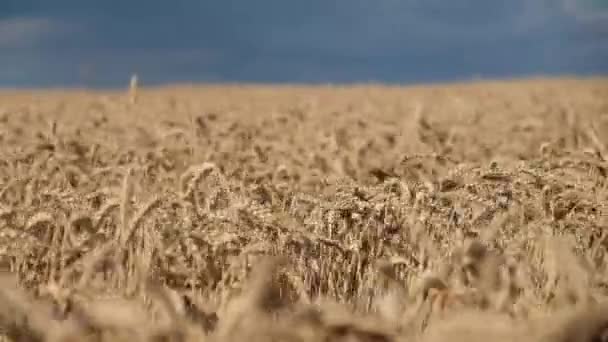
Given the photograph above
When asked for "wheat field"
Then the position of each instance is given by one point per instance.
(450, 212)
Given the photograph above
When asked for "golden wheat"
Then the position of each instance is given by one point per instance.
(464, 212)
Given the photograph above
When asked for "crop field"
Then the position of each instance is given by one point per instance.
(450, 212)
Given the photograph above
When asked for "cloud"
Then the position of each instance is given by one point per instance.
(362, 29)
(23, 32)
(76, 42)
(104, 67)
(593, 11)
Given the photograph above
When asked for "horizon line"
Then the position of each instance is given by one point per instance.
(287, 84)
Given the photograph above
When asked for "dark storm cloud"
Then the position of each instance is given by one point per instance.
(86, 42)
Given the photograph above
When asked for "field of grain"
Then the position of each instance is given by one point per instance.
(460, 212)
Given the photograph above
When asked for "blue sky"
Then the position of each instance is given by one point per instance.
(99, 43)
